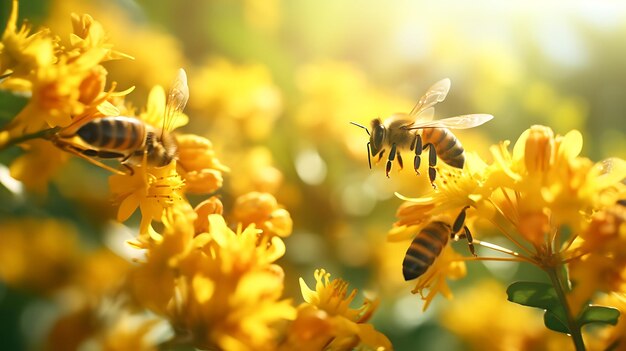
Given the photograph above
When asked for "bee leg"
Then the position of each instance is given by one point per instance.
(392, 156)
(417, 144)
(470, 240)
(459, 223)
(400, 163)
(432, 162)
(369, 155)
(130, 169)
(79, 153)
(381, 155)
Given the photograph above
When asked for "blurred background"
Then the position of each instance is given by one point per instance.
(274, 85)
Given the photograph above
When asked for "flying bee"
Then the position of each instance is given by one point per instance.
(127, 139)
(416, 131)
(430, 241)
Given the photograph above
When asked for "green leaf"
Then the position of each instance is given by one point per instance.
(533, 294)
(598, 314)
(543, 296)
(555, 322)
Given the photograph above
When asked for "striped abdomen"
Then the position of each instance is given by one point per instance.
(424, 249)
(116, 134)
(447, 146)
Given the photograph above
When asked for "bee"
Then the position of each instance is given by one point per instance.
(430, 241)
(416, 131)
(129, 140)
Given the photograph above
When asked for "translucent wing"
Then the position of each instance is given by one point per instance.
(176, 100)
(458, 122)
(435, 94)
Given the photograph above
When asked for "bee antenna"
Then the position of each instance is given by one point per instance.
(361, 126)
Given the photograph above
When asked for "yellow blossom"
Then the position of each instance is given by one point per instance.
(548, 175)
(21, 52)
(327, 312)
(543, 186)
(210, 206)
(263, 210)
(602, 251)
(144, 71)
(153, 282)
(455, 190)
(56, 94)
(534, 196)
(198, 164)
(152, 189)
(89, 34)
(69, 85)
(220, 288)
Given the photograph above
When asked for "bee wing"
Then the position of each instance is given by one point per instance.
(458, 122)
(176, 100)
(435, 94)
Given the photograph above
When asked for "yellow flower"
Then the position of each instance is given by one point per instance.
(56, 95)
(544, 186)
(455, 190)
(198, 164)
(327, 320)
(70, 84)
(602, 251)
(152, 189)
(20, 53)
(210, 206)
(153, 283)
(552, 180)
(144, 71)
(533, 196)
(221, 289)
(89, 34)
(263, 210)
(231, 299)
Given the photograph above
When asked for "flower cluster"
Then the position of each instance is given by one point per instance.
(555, 208)
(206, 278)
(65, 82)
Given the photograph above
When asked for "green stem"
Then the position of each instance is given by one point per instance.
(557, 280)
(45, 134)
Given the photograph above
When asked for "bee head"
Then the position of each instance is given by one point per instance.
(377, 137)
